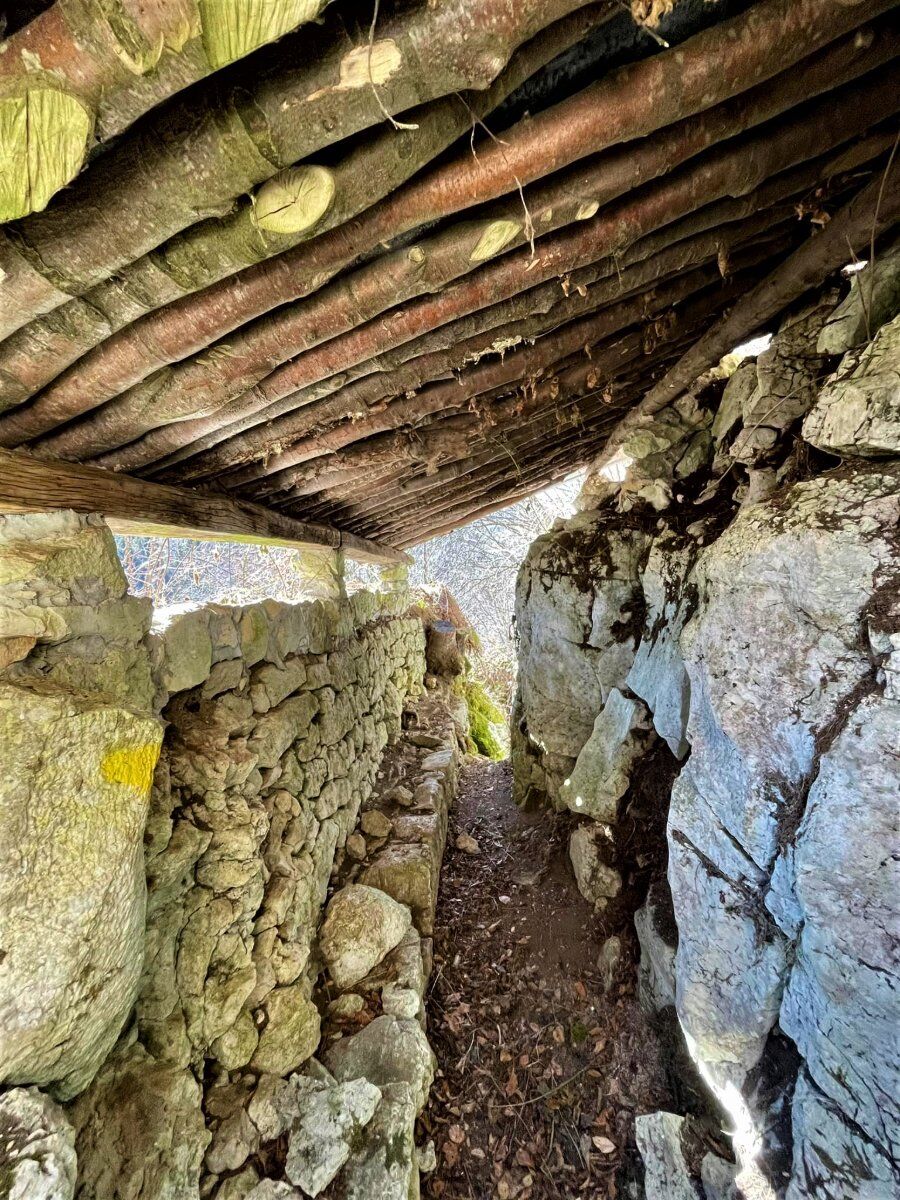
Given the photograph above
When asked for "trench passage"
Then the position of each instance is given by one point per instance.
(542, 1066)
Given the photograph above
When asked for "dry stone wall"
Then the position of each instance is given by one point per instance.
(174, 801)
(766, 579)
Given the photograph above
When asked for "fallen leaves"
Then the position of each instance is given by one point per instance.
(528, 1104)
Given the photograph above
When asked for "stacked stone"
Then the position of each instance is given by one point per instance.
(277, 718)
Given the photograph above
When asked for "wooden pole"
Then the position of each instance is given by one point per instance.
(135, 506)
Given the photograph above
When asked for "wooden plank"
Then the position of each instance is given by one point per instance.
(130, 505)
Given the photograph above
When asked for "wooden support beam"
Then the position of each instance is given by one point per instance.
(130, 505)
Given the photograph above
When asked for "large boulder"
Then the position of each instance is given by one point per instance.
(777, 825)
(579, 611)
(37, 1148)
(79, 752)
(362, 924)
(603, 769)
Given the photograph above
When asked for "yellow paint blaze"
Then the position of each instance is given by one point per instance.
(131, 766)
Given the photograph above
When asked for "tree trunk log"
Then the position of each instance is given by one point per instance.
(80, 72)
(206, 255)
(737, 168)
(200, 158)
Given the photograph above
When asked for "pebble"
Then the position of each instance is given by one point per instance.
(467, 844)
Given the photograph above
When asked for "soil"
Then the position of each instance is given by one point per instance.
(545, 1057)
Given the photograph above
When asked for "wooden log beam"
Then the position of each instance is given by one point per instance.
(135, 506)
(868, 214)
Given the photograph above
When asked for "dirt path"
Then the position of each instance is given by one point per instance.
(542, 1066)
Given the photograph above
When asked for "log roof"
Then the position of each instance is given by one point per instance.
(386, 269)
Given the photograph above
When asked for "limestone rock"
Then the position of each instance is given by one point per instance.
(658, 675)
(74, 796)
(388, 1050)
(577, 597)
(602, 771)
(656, 972)
(362, 924)
(643, 465)
(597, 881)
(385, 1167)
(37, 1148)
(874, 298)
(858, 410)
(400, 1001)
(408, 873)
(840, 1002)
(666, 1174)
(328, 1126)
(467, 844)
(291, 1033)
(375, 824)
(140, 1130)
(186, 646)
(274, 1189)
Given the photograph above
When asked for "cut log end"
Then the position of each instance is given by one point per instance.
(495, 237)
(233, 30)
(295, 200)
(44, 137)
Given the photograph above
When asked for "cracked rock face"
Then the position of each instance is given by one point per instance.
(37, 1148)
(330, 1121)
(578, 602)
(858, 410)
(768, 662)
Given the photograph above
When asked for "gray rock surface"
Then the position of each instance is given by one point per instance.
(590, 847)
(388, 1050)
(577, 594)
(362, 924)
(329, 1125)
(666, 1174)
(79, 749)
(602, 771)
(140, 1130)
(858, 410)
(37, 1148)
(385, 1166)
(874, 298)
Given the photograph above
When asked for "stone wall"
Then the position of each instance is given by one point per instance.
(224, 757)
(732, 604)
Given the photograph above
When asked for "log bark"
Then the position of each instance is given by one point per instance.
(875, 209)
(429, 443)
(590, 289)
(80, 73)
(735, 169)
(212, 251)
(529, 362)
(720, 218)
(117, 364)
(196, 159)
(135, 506)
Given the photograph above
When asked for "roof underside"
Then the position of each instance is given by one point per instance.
(391, 280)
